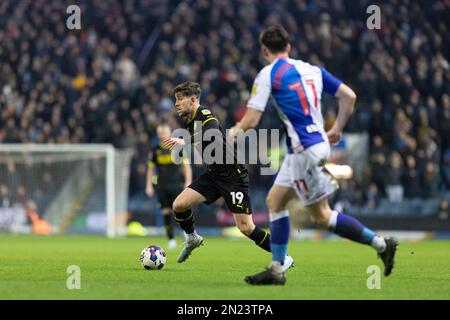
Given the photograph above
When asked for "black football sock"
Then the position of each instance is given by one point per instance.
(261, 238)
(185, 220)
(168, 225)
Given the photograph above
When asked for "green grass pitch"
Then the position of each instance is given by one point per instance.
(34, 267)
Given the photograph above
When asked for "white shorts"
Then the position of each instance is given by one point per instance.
(305, 172)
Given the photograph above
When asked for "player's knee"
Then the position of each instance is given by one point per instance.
(180, 205)
(321, 221)
(320, 213)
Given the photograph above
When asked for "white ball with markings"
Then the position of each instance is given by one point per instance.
(153, 258)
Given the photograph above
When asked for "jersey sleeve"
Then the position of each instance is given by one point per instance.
(330, 83)
(209, 121)
(260, 91)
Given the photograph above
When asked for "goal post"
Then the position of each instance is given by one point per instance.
(74, 188)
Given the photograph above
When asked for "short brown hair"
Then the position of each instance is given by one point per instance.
(188, 89)
(275, 38)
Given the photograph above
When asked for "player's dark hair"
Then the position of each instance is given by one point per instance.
(188, 89)
(275, 38)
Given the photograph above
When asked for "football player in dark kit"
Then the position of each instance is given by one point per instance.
(222, 179)
(171, 180)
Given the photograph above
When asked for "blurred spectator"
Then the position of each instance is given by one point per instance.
(378, 163)
(5, 198)
(402, 132)
(411, 181)
(444, 122)
(446, 169)
(372, 196)
(127, 72)
(21, 197)
(12, 178)
(430, 180)
(444, 210)
(393, 175)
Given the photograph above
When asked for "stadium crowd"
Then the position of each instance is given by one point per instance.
(112, 81)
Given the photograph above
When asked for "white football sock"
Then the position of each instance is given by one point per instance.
(333, 220)
(379, 244)
(191, 236)
(277, 267)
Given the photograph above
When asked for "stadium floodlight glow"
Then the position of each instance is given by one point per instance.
(340, 171)
(86, 183)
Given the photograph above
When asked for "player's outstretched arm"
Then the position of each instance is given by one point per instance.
(149, 185)
(346, 101)
(256, 104)
(250, 120)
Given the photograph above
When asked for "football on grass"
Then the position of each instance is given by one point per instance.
(153, 258)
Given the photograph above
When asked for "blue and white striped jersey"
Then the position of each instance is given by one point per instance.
(296, 88)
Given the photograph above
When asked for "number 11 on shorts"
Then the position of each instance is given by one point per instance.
(299, 183)
(237, 195)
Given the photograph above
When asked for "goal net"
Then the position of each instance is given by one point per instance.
(64, 188)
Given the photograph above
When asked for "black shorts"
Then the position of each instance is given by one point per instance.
(233, 188)
(167, 194)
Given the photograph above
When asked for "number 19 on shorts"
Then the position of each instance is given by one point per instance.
(239, 196)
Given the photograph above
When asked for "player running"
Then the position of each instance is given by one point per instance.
(172, 179)
(296, 88)
(229, 181)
